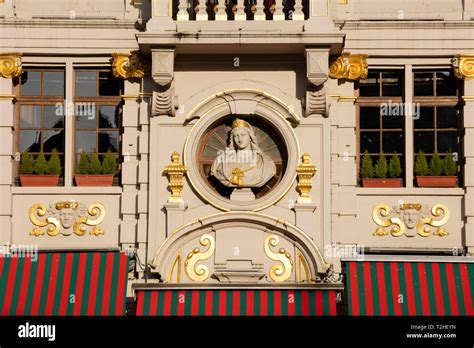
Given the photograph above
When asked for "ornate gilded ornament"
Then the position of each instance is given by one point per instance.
(175, 265)
(410, 219)
(464, 66)
(175, 171)
(200, 272)
(302, 266)
(279, 272)
(66, 218)
(305, 172)
(10, 65)
(349, 67)
(130, 65)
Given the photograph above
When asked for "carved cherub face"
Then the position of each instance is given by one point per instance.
(241, 138)
(411, 217)
(67, 217)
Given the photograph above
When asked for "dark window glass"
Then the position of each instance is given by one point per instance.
(423, 84)
(370, 87)
(108, 85)
(392, 83)
(424, 141)
(369, 118)
(445, 83)
(53, 139)
(108, 140)
(53, 83)
(52, 117)
(30, 140)
(446, 117)
(390, 122)
(85, 122)
(447, 141)
(108, 116)
(393, 142)
(86, 83)
(30, 116)
(426, 118)
(370, 141)
(30, 83)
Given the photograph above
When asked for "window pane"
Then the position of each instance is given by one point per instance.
(86, 122)
(52, 117)
(370, 141)
(53, 83)
(447, 141)
(108, 140)
(369, 87)
(108, 117)
(369, 118)
(392, 83)
(426, 119)
(108, 85)
(424, 141)
(53, 139)
(30, 83)
(30, 141)
(393, 142)
(423, 83)
(86, 83)
(30, 116)
(392, 121)
(85, 141)
(446, 117)
(445, 83)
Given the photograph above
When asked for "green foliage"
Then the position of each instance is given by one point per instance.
(41, 165)
(421, 164)
(109, 163)
(436, 165)
(394, 167)
(381, 167)
(96, 166)
(366, 167)
(26, 163)
(54, 164)
(84, 165)
(450, 166)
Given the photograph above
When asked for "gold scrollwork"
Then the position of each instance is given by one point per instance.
(278, 272)
(464, 66)
(37, 211)
(176, 264)
(349, 67)
(302, 265)
(130, 65)
(10, 65)
(200, 272)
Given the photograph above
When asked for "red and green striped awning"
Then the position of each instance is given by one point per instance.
(236, 302)
(410, 288)
(79, 283)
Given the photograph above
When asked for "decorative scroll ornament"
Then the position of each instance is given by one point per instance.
(410, 219)
(10, 65)
(349, 67)
(305, 172)
(175, 171)
(279, 272)
(130, 65)
(196, 272)
(66, 218)
(464, 66)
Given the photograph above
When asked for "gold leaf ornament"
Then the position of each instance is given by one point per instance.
(195, 271)
(281, 271)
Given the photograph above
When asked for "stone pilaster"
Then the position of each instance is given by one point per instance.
(469, 162)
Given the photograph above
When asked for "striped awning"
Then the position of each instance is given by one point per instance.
(236, 302)
(410, 288)
(82, 283)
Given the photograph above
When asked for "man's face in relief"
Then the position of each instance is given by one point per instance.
(241, 138)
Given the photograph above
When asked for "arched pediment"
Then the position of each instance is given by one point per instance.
(239, 247)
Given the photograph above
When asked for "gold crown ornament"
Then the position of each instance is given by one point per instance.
(66, 205)
(240, 123)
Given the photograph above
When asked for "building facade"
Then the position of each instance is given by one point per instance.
(247, 135)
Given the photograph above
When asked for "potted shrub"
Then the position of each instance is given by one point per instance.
(39, 172)
(92, 173)
(440, 173)
(380, 172)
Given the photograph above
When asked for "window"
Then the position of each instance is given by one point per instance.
(437, 126)
(98, 111)
(381, 123)
(40, 122)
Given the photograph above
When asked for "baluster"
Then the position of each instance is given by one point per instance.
(259, 14)
(183, 14)
(298, 14)
(278, 14)
(201, 13)
(219, 9)
(240, 14)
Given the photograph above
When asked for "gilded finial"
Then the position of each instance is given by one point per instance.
(175, 171)
(305, 172)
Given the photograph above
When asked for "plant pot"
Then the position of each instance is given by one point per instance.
(39, 180)
(437, 181)
(382, 182)
(94, 179)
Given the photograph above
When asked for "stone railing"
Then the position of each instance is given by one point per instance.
(239, 10)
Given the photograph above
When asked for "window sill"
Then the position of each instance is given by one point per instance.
(408, 191)
(54, 190)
